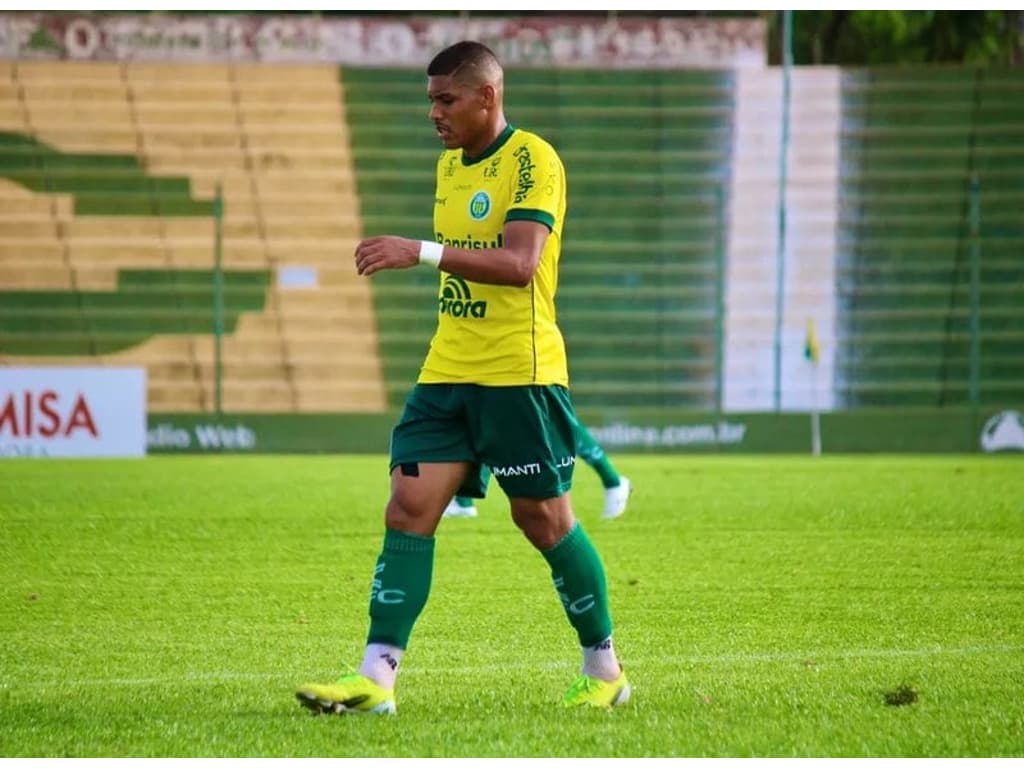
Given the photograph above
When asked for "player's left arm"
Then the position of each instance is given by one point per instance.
(513, 264)
(538, 200)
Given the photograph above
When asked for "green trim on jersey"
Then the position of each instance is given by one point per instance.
(499, 335)
(524, 214)
(497, 144)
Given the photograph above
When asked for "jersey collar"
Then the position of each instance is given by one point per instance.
(497, 144)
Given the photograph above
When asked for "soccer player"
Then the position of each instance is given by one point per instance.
(616, 487)
(493, 389)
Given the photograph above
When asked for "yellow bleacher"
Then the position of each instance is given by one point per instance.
(275, 139)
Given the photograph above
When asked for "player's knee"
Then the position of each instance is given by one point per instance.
(409, 515)
(543, 522)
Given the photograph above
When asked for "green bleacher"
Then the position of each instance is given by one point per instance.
(645, 153)
(911, 142)
(51, 323)
(147, 302)
(102, 184)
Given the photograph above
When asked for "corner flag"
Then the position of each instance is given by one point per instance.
(812, 352)
(811, 348)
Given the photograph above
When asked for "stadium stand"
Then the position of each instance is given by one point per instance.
(108, 173)
(644, 153)
(107, 236)
(911, 142)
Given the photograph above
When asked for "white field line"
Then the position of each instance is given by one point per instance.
(632, 662)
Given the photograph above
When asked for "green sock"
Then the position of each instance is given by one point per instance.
(592, 453)
(579, 580)
(464, 501)
(401, 584)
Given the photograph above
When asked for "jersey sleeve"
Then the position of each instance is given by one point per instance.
(537, 183)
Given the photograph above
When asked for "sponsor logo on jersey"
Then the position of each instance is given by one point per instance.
(480, 206)
(526, 167)
(457, 301)
(469, 241)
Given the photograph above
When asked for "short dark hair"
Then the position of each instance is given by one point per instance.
(467, 53)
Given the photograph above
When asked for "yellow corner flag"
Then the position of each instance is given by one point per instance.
(811, 349)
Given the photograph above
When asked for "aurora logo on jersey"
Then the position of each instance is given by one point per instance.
(457, 301)
(480, 206)
(526, 166)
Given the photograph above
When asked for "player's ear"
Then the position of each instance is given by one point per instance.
(488, 95)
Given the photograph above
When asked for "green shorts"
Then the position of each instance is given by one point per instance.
(523, 434)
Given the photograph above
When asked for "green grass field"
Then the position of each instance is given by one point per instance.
(764, 607)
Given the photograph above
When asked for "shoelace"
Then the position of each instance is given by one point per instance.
(350, 677)
(584, 684)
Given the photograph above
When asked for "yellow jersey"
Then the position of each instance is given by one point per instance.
(498, 335)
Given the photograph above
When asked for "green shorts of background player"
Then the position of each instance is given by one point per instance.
(616, 487)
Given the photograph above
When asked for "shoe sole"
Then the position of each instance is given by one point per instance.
(623, 695)
(320, 706)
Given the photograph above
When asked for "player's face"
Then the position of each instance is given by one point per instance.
(459, 113)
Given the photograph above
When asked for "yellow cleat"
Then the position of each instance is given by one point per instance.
(594, 692)
(352, 694)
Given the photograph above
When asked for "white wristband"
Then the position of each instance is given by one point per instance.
(430, 253)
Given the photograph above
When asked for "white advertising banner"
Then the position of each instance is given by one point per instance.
(72, 412)
(540, 41)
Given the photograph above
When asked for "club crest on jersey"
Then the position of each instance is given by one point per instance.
(480, 206)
